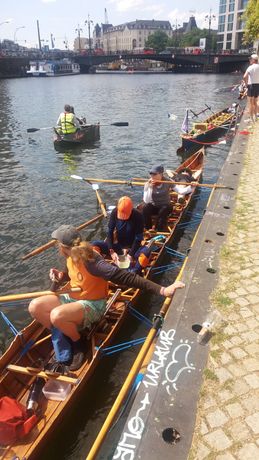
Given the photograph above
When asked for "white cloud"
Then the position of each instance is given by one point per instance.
(138, 6)
(177, 16)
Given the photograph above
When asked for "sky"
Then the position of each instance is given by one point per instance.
(63, 17)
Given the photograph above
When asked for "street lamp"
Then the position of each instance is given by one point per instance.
(209, 17)
(175, 29)
(16, 30)
(6, 21)
(78, 30)
(89, 22)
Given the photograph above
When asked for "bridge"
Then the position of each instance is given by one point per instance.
(193, 63)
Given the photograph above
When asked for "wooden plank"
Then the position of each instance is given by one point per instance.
(39, 373)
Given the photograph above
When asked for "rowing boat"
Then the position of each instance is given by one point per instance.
(17, 365)
(87, 134)
(210, 130)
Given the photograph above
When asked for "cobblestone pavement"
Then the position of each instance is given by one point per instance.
(227, 424)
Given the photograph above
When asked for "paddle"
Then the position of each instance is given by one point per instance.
(117, 123)
(125, 182)
(53, 242)
(33, 295)
(95, 187)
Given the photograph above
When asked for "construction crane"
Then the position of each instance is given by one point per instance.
(106, 16)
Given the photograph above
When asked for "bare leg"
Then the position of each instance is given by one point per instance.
(41, 308)
(67, 317)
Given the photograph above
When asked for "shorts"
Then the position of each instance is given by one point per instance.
(93, 309)
(253, 90)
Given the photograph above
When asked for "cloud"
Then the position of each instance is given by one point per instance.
(123, 6)
(177, 16)
(48, 1)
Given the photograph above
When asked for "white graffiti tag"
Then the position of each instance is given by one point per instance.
(126, 448)
(177, 366)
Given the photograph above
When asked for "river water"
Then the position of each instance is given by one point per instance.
(37, 193)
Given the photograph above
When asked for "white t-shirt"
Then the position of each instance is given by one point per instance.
(253, 74)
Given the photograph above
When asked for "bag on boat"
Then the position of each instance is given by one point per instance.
(15, 422)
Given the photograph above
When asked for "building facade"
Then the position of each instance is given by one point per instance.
(128, 36)
(231, 24)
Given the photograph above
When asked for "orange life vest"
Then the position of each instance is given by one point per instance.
(92, 287)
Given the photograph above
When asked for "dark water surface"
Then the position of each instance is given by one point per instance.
(37, 194)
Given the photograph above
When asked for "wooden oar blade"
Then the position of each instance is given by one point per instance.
(32, 130)
(120, 123)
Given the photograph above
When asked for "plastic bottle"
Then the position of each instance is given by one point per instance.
(34, 394)
(212, 321)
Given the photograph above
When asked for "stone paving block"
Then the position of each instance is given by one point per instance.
(218, 440)
(252, 348)
(203, 428)
(232, 295)
(250, 336)
(252, 288)
(223, 374)
(234, 317)
(252, 380)
(236, 340)
(241, 291)
(216, 418)
(241, 328)
(236, 370)
(238, 353)
(225, 395)
(252, 299)
(239, 431)
(251, 364)
(226, 456)
(225, 358)
(240, 387)
(202, 452)
(251, 402)
(209, 402)
(244, 311)
(227, 344)
(235, 410)
(253, 422)
(248, 452)
(252, 323)
(242, 302)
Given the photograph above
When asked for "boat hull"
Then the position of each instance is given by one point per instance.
(86, 135)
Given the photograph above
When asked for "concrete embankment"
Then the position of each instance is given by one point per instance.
(222, 272)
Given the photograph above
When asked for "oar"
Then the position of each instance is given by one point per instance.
(32, 130)
(53, 242)
(33, 295)
(117, 123)
(125, 182)
(95, 187)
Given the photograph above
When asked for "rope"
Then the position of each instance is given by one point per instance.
(121, 346)
(10, 325)
(138, 315)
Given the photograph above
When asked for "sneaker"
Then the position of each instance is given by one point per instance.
(78, 355)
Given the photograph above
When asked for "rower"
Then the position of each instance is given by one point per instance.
(67, 121)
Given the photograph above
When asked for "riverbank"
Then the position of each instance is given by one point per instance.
(227, 424)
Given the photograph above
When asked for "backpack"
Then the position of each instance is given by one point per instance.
(15, 422)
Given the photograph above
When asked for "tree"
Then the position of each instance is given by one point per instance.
(193, 39)
(251, 17)
(158, 41)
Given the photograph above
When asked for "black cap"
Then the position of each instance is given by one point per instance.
(158, 169)
(66, 234)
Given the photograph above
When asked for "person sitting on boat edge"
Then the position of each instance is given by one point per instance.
(67, 122)
(125, 231)
(71, 313)
(157, 199)
(185, 175)
(81, 121)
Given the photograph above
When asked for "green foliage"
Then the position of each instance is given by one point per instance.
(193, 39)
(251, 17)
(158, 40)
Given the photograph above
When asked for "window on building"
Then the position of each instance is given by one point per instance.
(221, 28)
(222, 6)
(231, 5)
(242, 4)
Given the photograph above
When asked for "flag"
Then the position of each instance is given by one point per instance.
(184, 127)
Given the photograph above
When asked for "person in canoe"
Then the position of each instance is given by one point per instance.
(156, 199)
(81, 121)
(125, 231)
(182, 190)
(67, 122)
(68, 314)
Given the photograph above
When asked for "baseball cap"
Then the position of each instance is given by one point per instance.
(158, 169)
(124, 208)
(66, 234)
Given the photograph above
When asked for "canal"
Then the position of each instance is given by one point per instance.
(38, 195)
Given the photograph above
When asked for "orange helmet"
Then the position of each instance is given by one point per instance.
(124, 208)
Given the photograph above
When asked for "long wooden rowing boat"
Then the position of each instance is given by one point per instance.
(17, 365)
(210, 130)
(87, 134)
